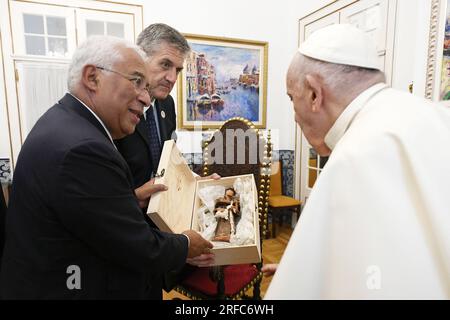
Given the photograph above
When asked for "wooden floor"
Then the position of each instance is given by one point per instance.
(273, 249)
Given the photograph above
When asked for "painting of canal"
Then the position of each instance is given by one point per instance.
(221, 81)
(445, 70)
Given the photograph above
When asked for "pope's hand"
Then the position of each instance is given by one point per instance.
(203, 260)
(269, 269)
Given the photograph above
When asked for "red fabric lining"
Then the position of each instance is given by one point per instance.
(236, 277)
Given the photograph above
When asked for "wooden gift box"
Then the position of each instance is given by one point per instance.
(175, 210)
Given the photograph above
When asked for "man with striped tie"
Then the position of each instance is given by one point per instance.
(167, 50)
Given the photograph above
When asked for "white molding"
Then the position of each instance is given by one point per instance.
(433, 53)
(390, 39)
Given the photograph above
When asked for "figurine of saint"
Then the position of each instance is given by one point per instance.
(225, 210)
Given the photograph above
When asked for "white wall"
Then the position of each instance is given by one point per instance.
(277, 23)
(265, 20)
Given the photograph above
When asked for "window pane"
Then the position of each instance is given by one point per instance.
(312, 163)
(57, 47)
(312, 176)
(35, 45)
(313, 158)
(56, 26)
(94, 28)
(33, 23)
(115, 29)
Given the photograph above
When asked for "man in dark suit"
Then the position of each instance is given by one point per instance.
(74, 228)
(2, 224)
(166, 49)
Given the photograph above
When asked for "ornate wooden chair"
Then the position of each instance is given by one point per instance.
(252, 154)
(278, 201)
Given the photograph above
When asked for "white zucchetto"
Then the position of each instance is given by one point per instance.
(342, 44)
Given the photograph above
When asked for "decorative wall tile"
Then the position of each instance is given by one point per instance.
(287, 159)
(288, 163)
(5, 171)
(189, 158)
(194, 160)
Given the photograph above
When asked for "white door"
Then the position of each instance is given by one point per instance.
(44, 37)
(310, 165)
(41, 30)
(372, 17)
(5, 148)
(377, 18)
(319, 24)
(91, 22)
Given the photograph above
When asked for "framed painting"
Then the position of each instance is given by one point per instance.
(222, 78)
(438, 66)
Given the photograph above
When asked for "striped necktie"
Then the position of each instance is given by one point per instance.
(155, 145)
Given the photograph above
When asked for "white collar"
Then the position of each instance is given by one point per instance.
(344, 121)
(98, 119)
(152, 104)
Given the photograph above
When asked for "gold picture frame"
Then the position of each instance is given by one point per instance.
(437, 87)
(222, 78)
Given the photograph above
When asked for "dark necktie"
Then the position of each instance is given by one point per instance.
(155, 146)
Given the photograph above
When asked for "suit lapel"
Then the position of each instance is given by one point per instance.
(75, 106)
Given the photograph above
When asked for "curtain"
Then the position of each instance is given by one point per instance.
(40, 86)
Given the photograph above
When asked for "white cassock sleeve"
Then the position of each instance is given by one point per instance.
(364, 232)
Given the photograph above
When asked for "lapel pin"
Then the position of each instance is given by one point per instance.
(163, 114)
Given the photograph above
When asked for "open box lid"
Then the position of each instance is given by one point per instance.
(172, 210)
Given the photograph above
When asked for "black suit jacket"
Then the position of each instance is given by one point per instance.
(2, 224)
(136, 152)
(73, 204)
(135, 147)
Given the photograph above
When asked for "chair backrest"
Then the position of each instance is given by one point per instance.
(276, 182)
(239, 148)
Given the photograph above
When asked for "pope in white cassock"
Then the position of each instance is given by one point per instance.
(377, 223)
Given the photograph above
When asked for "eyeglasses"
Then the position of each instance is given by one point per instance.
(137, 81)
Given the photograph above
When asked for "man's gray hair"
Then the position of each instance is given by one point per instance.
(155, 34)
(337, 77)
(101, 51)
